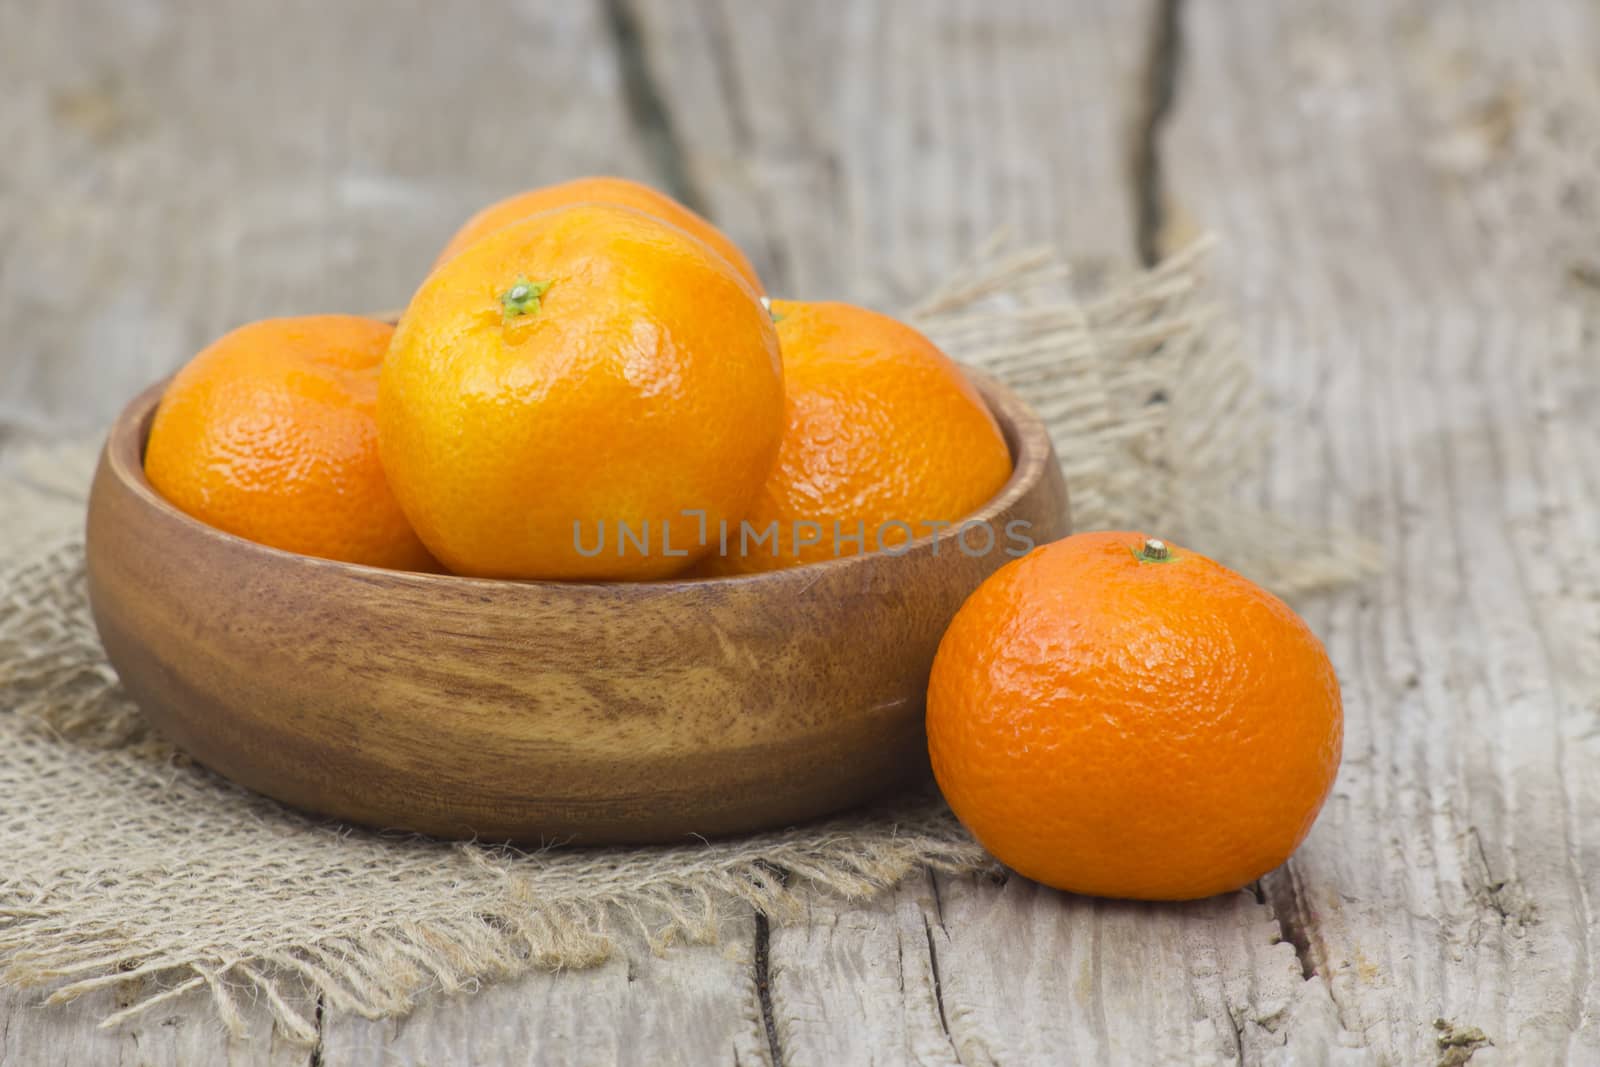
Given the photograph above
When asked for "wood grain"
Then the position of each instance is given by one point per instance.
(1400, 224)
(697, 1004)
(37, 1035)
(195, 166)
(865, 155)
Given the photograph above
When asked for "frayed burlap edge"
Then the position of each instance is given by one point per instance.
(131, 867)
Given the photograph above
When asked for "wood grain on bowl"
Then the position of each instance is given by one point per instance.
(537, 711)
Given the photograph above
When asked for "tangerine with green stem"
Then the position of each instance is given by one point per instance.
(1114, 714)
(574, 378)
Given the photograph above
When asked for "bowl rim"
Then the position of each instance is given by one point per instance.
(1027, 439)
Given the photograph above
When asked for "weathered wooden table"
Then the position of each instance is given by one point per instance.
(1406, 193)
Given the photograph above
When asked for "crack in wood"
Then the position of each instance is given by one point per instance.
(938, 987)
(1505, 897)
(1160, 93)
(763, 968)
(900, 963)
(316, 1049)
(1283, 896)
(1236, 1025)
(647, 107)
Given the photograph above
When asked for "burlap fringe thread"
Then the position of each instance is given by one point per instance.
(128, 866)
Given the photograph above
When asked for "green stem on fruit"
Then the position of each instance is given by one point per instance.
(523, 298)
(1153, 551)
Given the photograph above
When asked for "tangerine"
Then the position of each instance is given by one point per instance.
(885, 438)
(1118, 716)
(580, 394)
(271, 434)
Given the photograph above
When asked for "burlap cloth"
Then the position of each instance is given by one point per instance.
(123, 863)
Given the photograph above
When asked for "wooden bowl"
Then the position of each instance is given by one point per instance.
(537, 711)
